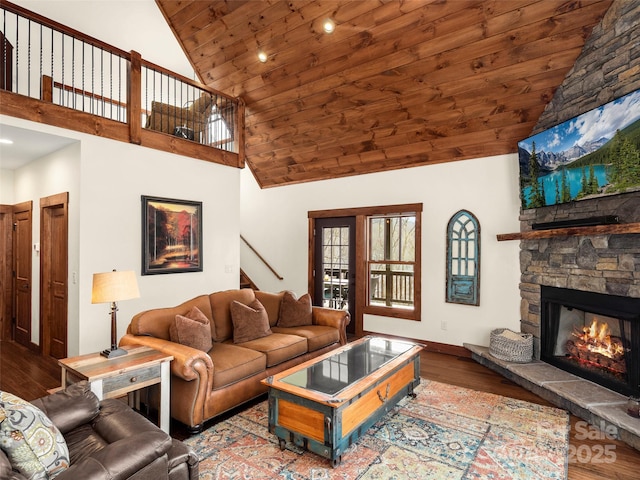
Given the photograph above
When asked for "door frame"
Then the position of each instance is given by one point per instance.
(17, 209)
(340, 222)
(6, 272)
(360, 292)
(46, 250)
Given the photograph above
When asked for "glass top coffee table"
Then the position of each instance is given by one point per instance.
(326, 404)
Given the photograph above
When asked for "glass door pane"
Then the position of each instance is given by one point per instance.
(334, 265)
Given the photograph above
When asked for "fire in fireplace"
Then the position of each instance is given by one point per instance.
(597, 348)
(592, 335)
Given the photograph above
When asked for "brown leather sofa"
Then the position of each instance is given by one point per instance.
(107, 440)
(205, 384)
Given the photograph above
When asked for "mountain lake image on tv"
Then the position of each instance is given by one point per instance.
(596, 153)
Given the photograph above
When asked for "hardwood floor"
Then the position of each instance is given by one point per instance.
(25, 373)
(592, 455)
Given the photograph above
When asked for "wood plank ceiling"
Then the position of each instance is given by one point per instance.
(399, 83)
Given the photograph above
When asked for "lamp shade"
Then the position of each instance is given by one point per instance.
(114, 286)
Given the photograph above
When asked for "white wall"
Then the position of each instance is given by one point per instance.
(114, 177)
(275, 221)
(106, 180)
(126, 24)
(55, 173)
(6, 187)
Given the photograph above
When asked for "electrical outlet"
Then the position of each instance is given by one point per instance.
(443, 325)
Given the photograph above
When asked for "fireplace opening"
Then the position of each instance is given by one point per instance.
(592, 335)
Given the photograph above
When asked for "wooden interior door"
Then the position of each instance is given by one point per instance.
(22, 272)
(54, 275)
(6, 272)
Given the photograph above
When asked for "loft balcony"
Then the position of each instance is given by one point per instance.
(55, 75)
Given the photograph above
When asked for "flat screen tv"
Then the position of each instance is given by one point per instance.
(594, 154)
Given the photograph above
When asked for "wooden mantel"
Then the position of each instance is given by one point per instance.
(612, 229)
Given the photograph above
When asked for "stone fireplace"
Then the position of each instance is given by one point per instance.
(580, 274)
(605, 264)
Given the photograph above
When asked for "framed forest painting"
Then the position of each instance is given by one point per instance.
(591, 155)
(171, 236)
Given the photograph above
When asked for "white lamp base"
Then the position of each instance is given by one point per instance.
(118, 352)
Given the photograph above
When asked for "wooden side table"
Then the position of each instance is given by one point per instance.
(115, 377)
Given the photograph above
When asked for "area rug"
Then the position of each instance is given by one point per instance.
(446, 432)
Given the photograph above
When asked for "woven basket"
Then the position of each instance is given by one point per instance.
(510, 348)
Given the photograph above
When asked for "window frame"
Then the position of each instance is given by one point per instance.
(413, 313)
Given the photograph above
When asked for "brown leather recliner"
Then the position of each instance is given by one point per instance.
(109, 441)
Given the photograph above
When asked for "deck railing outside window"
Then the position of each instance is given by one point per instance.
(50, 62)
(391, 288)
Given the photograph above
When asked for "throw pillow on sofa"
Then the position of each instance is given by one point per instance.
(295, 312)
(33, 444)
(249, 321)
(192, 329)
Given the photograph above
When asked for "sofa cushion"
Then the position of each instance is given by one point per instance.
(200, 105)
(33, 444)
(249, 321)
(295, 312)
(221, 311)
(192, 329)
(157, 322)
(271, 302)
(318, 336)
(233, 363)
(278, 347)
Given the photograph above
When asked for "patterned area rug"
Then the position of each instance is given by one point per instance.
(446, 432)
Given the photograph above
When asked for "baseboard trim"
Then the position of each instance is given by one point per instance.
(435, 347)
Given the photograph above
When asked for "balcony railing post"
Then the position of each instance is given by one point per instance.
(46, 94)
(134, 100)
(239, 130)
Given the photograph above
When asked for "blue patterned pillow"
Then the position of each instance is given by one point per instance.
(34, 446)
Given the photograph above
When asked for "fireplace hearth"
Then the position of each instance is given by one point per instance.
(592, 335)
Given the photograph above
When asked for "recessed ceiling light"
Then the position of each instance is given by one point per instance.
(6, 141)
(262, 56)
(328, 26)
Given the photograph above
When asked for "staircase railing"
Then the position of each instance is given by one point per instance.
(278, 276)
(47, 61)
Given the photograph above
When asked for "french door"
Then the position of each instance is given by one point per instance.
(334, 264)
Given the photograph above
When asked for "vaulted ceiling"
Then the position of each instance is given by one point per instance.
(398, 84)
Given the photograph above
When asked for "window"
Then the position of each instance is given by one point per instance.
(463, 259)
(384, 279)
(393, 264)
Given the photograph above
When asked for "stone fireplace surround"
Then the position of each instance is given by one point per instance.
(606, 263)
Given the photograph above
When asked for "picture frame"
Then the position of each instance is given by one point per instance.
(171, 235)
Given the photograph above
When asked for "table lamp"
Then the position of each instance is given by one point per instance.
(111, 287)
